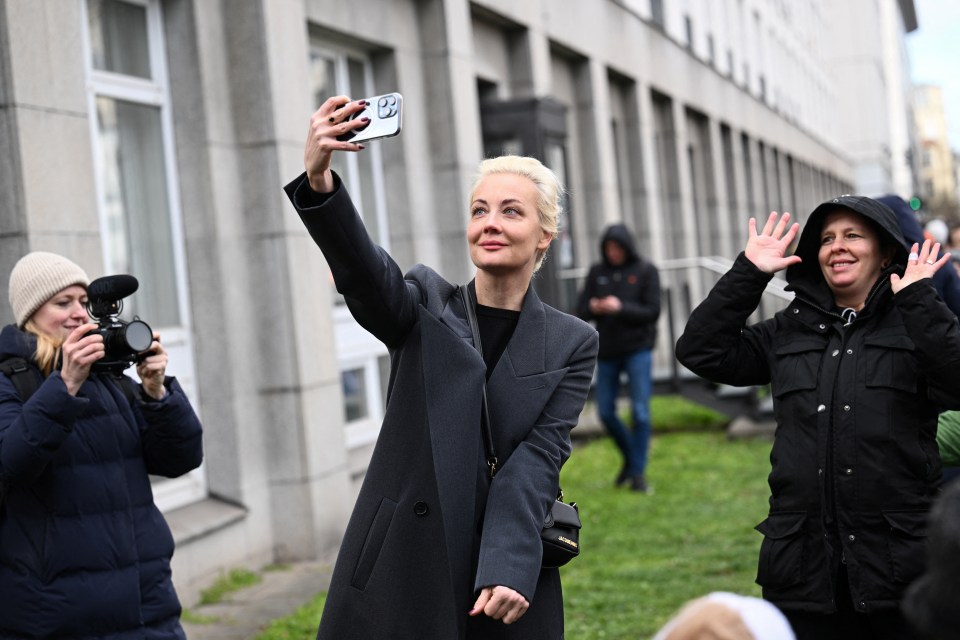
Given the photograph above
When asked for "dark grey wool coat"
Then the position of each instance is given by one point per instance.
(429, 529)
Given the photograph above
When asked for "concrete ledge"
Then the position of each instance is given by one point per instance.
(202, 519)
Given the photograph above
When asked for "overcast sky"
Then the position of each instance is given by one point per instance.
(934, 50)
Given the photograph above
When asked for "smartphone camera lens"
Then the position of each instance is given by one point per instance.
(387, 106)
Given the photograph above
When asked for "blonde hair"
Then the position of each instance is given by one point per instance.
(549, 190)
(48, 347)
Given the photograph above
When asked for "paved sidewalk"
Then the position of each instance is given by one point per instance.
(245, 613)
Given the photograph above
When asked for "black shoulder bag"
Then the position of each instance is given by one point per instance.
(561, 527)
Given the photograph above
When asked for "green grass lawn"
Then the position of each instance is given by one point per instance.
(645, 555)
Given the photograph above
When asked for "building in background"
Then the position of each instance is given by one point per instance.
(864, 50)
(937, 172)
(154, 137)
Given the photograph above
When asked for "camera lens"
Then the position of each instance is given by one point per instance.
(138, 335)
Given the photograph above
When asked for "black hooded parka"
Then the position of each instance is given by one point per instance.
(637, 283)
(855, 465)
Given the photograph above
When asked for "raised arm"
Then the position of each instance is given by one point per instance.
(716, 343)
(371, 282)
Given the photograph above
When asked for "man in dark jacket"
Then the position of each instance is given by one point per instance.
(622, 296)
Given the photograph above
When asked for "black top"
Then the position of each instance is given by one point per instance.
(496, 326)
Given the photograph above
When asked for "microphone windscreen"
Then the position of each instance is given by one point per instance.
(112, 287)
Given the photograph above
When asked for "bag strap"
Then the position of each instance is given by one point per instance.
(26, 380)
(24, 376)
(468, 304)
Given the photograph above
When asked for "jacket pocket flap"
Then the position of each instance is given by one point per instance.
(890, 340)
(800, 346)
(912, 523)
(782, 525)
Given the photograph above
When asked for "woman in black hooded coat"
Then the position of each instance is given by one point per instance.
(859, 364)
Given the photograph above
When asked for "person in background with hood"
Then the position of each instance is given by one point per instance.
(621, 296)
(946, 281)
(859, 364)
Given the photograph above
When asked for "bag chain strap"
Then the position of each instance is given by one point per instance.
(468, 305)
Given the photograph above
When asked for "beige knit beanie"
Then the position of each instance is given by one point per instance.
(37, 277)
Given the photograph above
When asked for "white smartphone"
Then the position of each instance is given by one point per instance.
(386, 115)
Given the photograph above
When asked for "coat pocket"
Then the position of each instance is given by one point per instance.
(782, 552)
(906, 543)
(890, 361)
(797, 365)
(373, 543)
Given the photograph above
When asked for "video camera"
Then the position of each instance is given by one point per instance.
(123, 341)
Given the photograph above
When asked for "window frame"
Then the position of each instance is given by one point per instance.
(169, 493)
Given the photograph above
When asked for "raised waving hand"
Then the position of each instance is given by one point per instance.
(922, 263)
(766, 249)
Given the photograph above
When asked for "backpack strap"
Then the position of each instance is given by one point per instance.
(23, 374)
(26, 379)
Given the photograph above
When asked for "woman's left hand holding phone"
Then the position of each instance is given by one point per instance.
(80, 351)
(329, 121)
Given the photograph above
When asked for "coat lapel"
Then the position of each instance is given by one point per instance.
(520, 385)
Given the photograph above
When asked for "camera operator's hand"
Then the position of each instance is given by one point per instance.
(80, 351)
(329, 121)
(153, 369)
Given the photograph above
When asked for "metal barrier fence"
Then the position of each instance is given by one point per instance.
(684, 283)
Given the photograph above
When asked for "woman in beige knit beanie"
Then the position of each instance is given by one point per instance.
(35, 280)
(85, 552)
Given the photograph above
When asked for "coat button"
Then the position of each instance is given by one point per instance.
(849, 472)
(846, 407)
(835, 353)
(821, 408)
(822, 327)
(420, 508)
(851, 537)
(849, 351)
(796, 310)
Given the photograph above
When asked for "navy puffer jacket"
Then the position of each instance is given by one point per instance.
(84, 552)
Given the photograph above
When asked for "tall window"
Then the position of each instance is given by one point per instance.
(129, 103)
(362, 360)
(133, 159)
